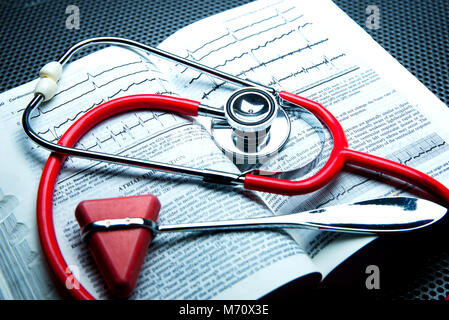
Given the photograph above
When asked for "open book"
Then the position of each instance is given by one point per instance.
(309, 48)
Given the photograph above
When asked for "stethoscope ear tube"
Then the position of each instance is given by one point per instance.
(125, 104)
(127, 43)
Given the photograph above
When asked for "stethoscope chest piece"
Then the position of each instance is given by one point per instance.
(255, 129)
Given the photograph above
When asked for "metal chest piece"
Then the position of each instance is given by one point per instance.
(255, 129)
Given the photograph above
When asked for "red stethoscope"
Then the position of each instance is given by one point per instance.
(251, 114)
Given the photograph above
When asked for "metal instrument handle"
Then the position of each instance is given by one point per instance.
(377, 216)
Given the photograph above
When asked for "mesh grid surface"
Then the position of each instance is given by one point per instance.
(415, 32)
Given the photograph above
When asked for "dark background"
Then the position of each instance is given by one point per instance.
(415, 32)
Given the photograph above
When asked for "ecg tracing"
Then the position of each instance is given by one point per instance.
(271, 29)
(120, 80)
(279, 46)
(241, 46)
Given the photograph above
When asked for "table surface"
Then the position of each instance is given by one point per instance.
(415, 32)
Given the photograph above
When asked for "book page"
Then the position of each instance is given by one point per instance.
(313, 49)
(178, 266)
(24, 273)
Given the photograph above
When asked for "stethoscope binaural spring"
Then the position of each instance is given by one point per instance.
(253, 125)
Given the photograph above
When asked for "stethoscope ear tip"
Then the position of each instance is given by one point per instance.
(119, 249)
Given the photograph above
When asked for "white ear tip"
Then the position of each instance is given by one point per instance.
(48, 82)
(51, 70)
(47, 87)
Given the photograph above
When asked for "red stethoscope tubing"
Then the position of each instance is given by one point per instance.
(339, 156)
(54, 163)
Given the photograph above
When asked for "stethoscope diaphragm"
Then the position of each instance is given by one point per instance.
(255, 128)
